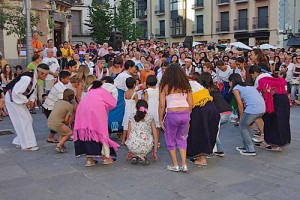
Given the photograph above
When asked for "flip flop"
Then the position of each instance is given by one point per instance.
(270, 148)
(90, 164)
(52, 141)
(261, 145)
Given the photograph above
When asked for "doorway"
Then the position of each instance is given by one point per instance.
(58, 34)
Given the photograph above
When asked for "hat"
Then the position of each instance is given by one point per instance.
(92, 42)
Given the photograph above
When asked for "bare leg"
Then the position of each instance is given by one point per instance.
(124, 137)
(183, 156)
(173, 157)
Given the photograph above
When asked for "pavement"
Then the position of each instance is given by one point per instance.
(45, 175)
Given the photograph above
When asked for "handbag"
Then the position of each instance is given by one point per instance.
(295, 81)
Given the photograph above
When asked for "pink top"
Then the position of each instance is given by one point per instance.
(177, 100)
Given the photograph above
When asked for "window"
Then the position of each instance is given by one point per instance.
(141, 10)
(162, 28)
(76, 22)
(177, 26)
(161, 5)
(224, 21)
(243, 19)
(143, 25)
(173, 5)
(263, 17)
(199, 28)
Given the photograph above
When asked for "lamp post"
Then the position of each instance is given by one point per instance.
(52, 13)
(29, 48)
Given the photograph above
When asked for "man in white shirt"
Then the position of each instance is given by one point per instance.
(136, 58)
(50, 45)
(257, 74)
(52, 62)
(20, 96)
(55, 94)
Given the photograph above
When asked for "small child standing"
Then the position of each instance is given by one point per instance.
(142, 134)
(146, 72)
(130, 101)
(60, 119)
(152, 97)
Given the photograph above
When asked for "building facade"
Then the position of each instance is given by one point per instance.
(222, 21)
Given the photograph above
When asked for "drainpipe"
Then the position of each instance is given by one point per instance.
(212, 19)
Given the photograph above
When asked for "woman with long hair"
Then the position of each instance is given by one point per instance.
(116, 69)
(7, 75)
(176, 96)
(82, 74)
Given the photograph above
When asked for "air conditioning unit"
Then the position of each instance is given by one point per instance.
(254, 26)
(280, 31)
(236, 28)
(217, 29)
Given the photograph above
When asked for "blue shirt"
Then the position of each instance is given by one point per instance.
(254, 102)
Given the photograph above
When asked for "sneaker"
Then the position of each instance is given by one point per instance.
(208, 156)
(248, 153)
(257, 140)
(257, 134)
(184, 168)
(173, 168)
(240, 149)
(219, 153)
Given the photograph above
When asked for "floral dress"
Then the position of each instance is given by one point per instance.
(140, 141)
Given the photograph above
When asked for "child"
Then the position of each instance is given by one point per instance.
(59, 119)
(208, 67)
(130, 100)
(55, 94)
(146, 72)
(108, 84)
(176, 96)
(72, 67)
(223, 73)
(88, 84)
(73, 85)
(152, 97)
(140, 139)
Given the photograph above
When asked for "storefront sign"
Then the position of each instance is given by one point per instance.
(21, 48)
(224, 41)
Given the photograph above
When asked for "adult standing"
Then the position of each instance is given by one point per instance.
(20, 97)
(36, 44)
(52, 62)
(50, 45)
(67, 54)
(3, 62)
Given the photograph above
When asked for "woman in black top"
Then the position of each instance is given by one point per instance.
(222, 106)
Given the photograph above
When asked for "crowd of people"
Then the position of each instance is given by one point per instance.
(89, 91)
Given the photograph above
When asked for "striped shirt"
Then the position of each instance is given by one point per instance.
(54, 95)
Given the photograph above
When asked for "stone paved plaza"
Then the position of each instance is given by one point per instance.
(44, 174)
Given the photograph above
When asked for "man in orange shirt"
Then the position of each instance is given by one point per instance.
(36, 44)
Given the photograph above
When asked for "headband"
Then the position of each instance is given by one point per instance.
(45, 71)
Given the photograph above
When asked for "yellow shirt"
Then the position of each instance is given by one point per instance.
(67, 53)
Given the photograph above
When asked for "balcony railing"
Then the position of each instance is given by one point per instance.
(160, 33)
(240, 1)
(141, 13)
(260, 23)
(69, 2)
(241, 24)
(198, 4)
(198, 30)
(160, 9)
(222, 26)
(223, 2)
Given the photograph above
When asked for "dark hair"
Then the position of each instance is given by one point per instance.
(210, 66)
(165, 55)
(101, 58)
(130, 82)
(151, 80)
(128, 64)
(59, 53)
(165, 64)
(35, 57)
(176, 79)
(96, 84)
(220, 63)
(118, 60)
(64, 74)
(236, 79)
(43, 66)
(174, 55)
(49, 40)
(240, 59)
(260, 56)
(140, 115)
(225, 57)
(283, 74)
(68, 95)
(254, 68)
(71, 63)
(65, 42)
(264, 66)
(108, 79)
(207, 81)
(18, 67)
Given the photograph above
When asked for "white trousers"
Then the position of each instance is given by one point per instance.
(22, 122)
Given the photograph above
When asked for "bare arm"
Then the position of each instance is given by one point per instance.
(136, 98)
(146, 96)
(155, 136)
(190, 101)
(239, 102)
(79, 92)
(162, 105)
(4, 79)
(129, 129)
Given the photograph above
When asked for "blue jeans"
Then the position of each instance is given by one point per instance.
(225, 118)
(245, 121)
(293, 91)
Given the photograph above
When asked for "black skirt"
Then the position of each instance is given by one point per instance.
(277, 125)
(204, 127)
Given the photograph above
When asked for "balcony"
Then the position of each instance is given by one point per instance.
(160, 33)
(240, 24)
(198, 31)
(240, 1)
(222, 26)
(223, 2)
(68, 2)
(260, 23)
(160, 9)
(199, 4)
(140, 13)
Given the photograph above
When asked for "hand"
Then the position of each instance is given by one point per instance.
(162, 123)
(55, 74)
(154, 156)
(29, 104)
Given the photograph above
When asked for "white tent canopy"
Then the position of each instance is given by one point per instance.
(268, 46)
(196, 43)
(240, 45)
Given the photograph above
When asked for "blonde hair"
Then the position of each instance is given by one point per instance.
(89, 81)
(74, 79)
(68, 95)
(83, 72)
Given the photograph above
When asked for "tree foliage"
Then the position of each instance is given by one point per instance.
(124, 20)
(14, 22)
(100, 21)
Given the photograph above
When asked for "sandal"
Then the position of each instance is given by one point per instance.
(108, 161)
(18, 146)
(134, 160)
(262, 145)
(143, 161)
(90, 164)
(61, 149)
(32, 149)
(273, 148)
(52, 141)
